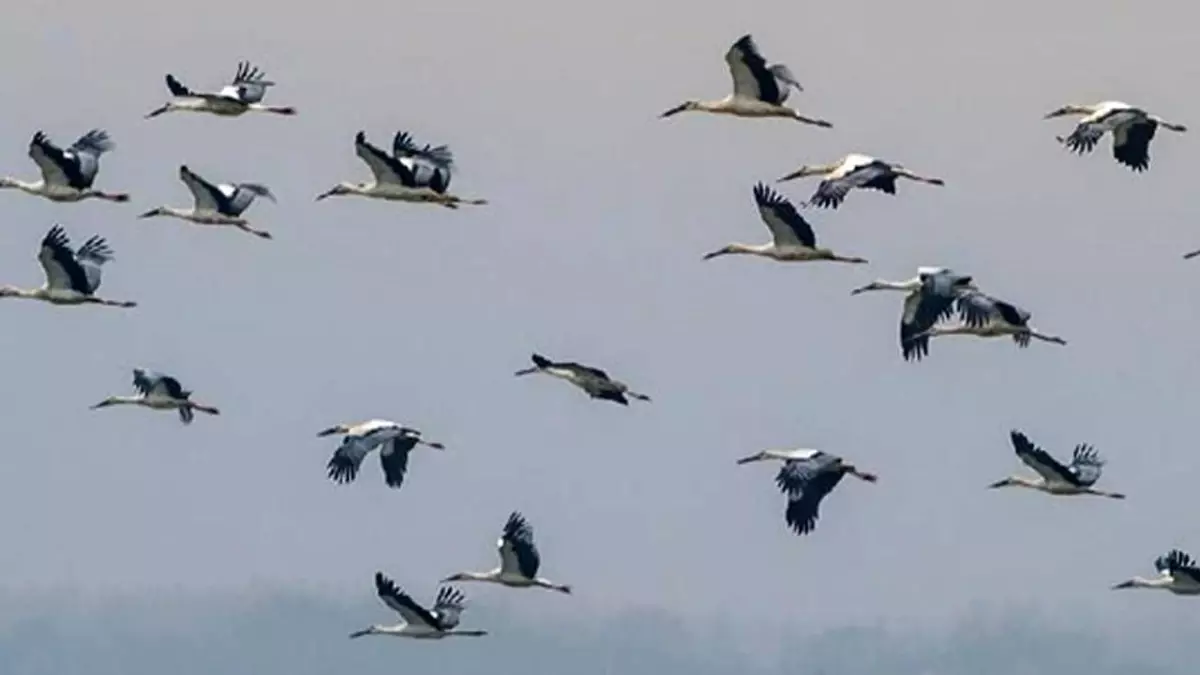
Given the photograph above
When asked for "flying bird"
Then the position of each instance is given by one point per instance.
(806, 477)
(1076, 478)
(595, 382)
(1177, 572)
(72, 277)
(793, 239)
(395, 441)
(158, 391)
(759, 90)
(243, 94)
(216, 204)
(1132, 130)
(984, 316)
(407, 176)
(67, 175)
(855, 171)
(930, 298)
(419, 622)
(519, 560)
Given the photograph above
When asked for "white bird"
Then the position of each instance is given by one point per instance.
(595, 382)
(1076, 478)
(400, 178)
(855, 171)
(430, 624)
(793, 239)
(931, 296)
(67, 175)
(1132, 130)
(360, 439)
(159, 392)
(519, 560)
(1177, 572)
(759, 90)
(244, 94)
(72, 277)
(984, 316)
(216, 204)
(806, 477)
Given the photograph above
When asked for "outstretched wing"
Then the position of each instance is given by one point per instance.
(787, 226)
(56, 166)
(90, 258)
(403, 145)
(403, 603)
(208, 197)
(240, 196)
(343, 466)
(449, 607)
(518, 554)
(248, 85)
(394, 458)
(1086, 465)
(58, 261)
(1041, 461)
(804, 509)
(795, 474)
(387, 169)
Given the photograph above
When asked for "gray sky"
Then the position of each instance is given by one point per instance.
(591, 251)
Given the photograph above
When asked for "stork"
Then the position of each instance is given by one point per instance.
(67, 175)
(430, 624)
(793, 239)
(519, 560)
(72, 277)
(759, 90)
(360, 439)
(1076, 478)
(930, 298)
(1177, 572)
(806, 477)
(855, 171)
(400, 178)
(158, 391)
(216, 204)
(243, 94)
(1132, 130)
(985, 316)
(593, 381)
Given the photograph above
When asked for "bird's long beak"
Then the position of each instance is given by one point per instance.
(328, 432)
(323, 195)
(156, 112)
(1000, 484)
(861, 289)
(360, 633)
(1123, 584)
(149, 214)
(758, 457)
(1055, 113)
(714, 254)
(433, 444)
(101, 404)
(798, 173)
(677, 109)
(526, 371)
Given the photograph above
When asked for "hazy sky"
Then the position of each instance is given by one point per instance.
(591, 251)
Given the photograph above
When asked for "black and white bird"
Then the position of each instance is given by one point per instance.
(158, 391)
(72, 277)
(67, 174)
(792, 238)
(394, 440)
(593, 381)
(519, 560)
(1076, 478)
(759, 90)
(1177, 572)
(243, 94)
(855, 171)
(216, 204)
(1132, 130)
(806, 477)
(930, 298)
(434, 623)
(409, 175)
(984, 316)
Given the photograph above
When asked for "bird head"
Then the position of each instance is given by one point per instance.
(339, 189)
(725, 250)
(1065, 110)
(9, 291)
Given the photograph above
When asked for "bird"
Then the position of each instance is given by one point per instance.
(430, 166)
(431, 624)
(930, 298)
(1132, 130)
(519, 560)
(806, 477)
(854, 171)
(243, 94)
(985, 316)
(158, 391)
(593, 381)
(215, 204)
(759, 90)
(793, 239)
(1076, 478)
(1177, 572)
(399, 178)
(361, 438)
(67, 175)
(72, 277)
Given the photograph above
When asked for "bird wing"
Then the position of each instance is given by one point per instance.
(449, 607)
(343, 466)
(518, 554)
(57, 168)
(1086, 465)
(784, 81)
(795, 474)
(387, 169)
(1131, 143)
(1041, 461)
(804, 508)
(394, 458)
(85, 153)
(207, 197)
(976, 308)
(58, 261)
(1083, 137)
(240, 196)
(153, 383)
(91, 258)
(403, 145)
(751, 78)
(401, 602)
(787, 226)
(1175, 562)
(248, 85)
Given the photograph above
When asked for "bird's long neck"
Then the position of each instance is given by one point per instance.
(125, 400)
(493, 575)
(1023, 482)
(1158, 582)
(31, 187)
(27, 293)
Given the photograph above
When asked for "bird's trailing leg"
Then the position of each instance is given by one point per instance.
(809, 120)
(258, 233)
(1054, 339)
(111, 303)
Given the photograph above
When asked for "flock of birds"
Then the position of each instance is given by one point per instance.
(938, 301)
